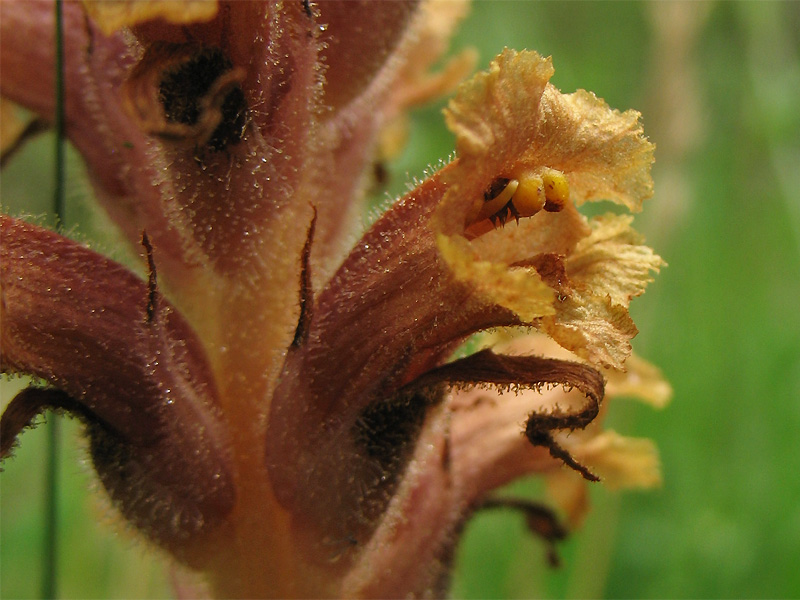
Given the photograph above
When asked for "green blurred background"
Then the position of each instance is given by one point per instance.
(719, 89)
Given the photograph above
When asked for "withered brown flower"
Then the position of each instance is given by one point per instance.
(282, 412)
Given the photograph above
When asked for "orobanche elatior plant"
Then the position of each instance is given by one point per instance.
(285, 411)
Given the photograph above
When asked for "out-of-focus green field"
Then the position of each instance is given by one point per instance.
(719, 89)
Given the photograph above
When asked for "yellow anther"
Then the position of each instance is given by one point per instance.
(523, 196)
(496, 204)
(556, 190)
(530, 197)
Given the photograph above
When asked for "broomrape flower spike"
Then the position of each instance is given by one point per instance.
(280, 410)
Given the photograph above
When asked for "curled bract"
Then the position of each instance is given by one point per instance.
(139, 380)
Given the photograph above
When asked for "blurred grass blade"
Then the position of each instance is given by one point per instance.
(50, 554)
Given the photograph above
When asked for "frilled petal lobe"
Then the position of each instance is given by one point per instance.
(520, 289)
(115, 14)
(640, 380)
(623, 462)
(606, 270)
(126, 363)
(603, 151)
(510, 119)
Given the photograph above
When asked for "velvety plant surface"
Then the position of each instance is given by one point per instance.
(717, 85)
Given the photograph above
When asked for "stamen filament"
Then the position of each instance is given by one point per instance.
(490, 207)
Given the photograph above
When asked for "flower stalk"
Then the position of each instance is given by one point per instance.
(283, 412)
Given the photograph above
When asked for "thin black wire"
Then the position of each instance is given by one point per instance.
(50, 554)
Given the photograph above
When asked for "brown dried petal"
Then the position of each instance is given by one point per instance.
(515, 373)
(540, 519)
(520, 372)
